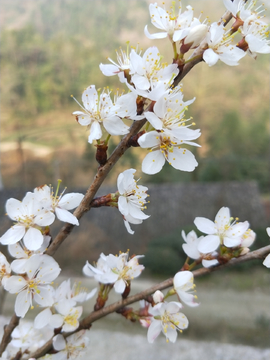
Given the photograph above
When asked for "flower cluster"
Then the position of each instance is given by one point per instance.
(166, 316)
(35, 213)
(155, 99)
(226, 238)
(115, 270)
(132, 199)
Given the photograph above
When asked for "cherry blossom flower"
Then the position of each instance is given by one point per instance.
(30, 218)
(255, 36)
(191, 245)
(72, 348)
(63, 310)
(132, 199)
(117, 68)
(169, 113)
(242, 9)
(168, 319)
(191, 249)
(22, 254)
(99, 110)
(26, 337)
(76, 293)
(117, 270)
(149, 77)
(121, 67)
(248, 238)
(222, 231)
(5, 268)
(59, 204)
(170, 22)
(266, 261)
(66, 317)
(41, 270)
(183, 281)
(220, 47)
(167, 146)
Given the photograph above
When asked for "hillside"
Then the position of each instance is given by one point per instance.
(51, 50)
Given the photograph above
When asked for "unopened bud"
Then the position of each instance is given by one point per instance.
(101, 154)
(158, 297)
(244, 251)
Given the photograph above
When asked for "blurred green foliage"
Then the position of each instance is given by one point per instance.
(52, 50)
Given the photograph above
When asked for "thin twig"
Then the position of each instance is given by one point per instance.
(96, 315)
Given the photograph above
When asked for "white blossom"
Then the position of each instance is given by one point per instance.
(26, 337)
(191, 245)
(149, 77)
(41, 270)
(183, 281)
(220, 47)
(266, 261)
(59, 204)
(30, 219)
(168, 319)
(72, 348)
(99, 110)
(132, 199)
(22, 254)
(222, 231)
(166, 146)
(117, 270)
(5, 268)
(173, 23)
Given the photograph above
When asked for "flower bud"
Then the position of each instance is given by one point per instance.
(158, 297)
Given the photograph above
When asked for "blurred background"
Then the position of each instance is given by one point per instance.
(52, 49)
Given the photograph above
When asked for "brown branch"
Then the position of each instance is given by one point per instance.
(7, 332)
(104, 170)
(96, 315)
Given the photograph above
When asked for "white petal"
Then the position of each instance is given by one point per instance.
(14, 284)
(154, 330)
(95, 132)
(210, 57)
(119, 286)
(154, 120)
(44, 218)
(70, 201)
(115, 126)
(123, 205)
(33, 239)
(266, 261)
(232, 242)
(66, 216)
(13, 208)
(22, 303)
(13, 235)
(82, 118)
(45, 296)
(209, 263)
(205, 225)
(43, 318)
(209, 244)
(59, 343)
(109, 69)
(149, 140)
(182, 159)
(129, 230)
(153, 162)
(161, 35)
(182, 278)
(56, 321)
